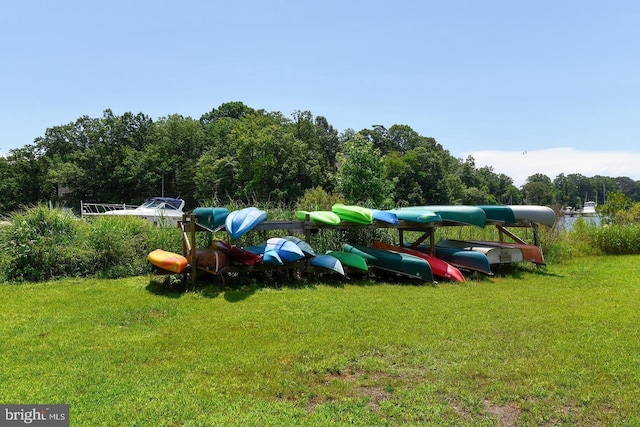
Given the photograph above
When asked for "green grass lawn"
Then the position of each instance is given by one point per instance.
(559, 346)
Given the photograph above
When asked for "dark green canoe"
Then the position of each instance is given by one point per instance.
(405, 264)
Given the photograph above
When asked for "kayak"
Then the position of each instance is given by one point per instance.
(495, 254)
(530, 253)
(211, 218)
(236, 253)
(286, 249)
(384, 216)
(321, 217)
(349, 259)
(305, 247)
(531, 213)
(462, 258)
(405, 264)
(266, 256)
(417, 215)
(457, 214)
(328, 262)
(240, 222)
(439, 267)
(351, 213)
(168, 261)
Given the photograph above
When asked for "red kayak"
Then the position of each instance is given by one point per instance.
(236, 253)
(439, 267)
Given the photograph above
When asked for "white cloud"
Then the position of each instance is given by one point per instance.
(519, 165)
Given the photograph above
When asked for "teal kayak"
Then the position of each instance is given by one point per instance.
(210, 217)
(352, 213)
(321, 217)
(405, 264)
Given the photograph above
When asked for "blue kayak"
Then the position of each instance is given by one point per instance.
(240, 222)
(304, 246)
(328, 262)
(384, 216)
(286, 249)
(268, 256)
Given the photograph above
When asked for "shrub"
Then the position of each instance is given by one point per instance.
(42, 244)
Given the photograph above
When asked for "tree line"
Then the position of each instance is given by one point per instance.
(235, 152)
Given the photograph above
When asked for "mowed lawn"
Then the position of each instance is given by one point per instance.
(557, 346)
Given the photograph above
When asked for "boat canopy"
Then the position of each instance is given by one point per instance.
(164, 203)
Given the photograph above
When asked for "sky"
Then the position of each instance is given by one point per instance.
(551, 86)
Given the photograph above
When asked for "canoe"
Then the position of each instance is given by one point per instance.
(212, 259)
(286, 249)
(266, 256)
(236, 253)
(240, 222)
(321, 217)
(168, 261)
(328, 262)
(462, 258)
(405, 264)
(456, 214)
(305, 247)
(531, 213)
(210, 217)
(439, 267)
(498, 214)
(495, 254)
(351, 213)
(417, 215)
(384, 216)
(530, 253)
(349, 259)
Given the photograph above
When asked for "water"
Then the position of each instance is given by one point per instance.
(566, 222)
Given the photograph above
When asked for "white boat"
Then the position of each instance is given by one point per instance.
(589, 208)
(164, 211)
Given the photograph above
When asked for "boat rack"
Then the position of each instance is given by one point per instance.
(190, 226)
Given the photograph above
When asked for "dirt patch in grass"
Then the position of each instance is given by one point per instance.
(506, 415)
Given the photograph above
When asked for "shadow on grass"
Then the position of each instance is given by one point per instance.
(175, 286)
(521, 270)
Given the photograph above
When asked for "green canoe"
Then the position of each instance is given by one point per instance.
(322, 217)
(497, 214)
(405, 264)
(349, 259)
(351, 213)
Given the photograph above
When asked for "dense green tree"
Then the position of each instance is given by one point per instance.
(538, 190)
(361, 174)
(615, 208)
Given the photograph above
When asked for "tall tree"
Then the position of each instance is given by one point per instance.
(538, 190)
(361, 174)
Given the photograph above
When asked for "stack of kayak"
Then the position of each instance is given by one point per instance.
(444, 260)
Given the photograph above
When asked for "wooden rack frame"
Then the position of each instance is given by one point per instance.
(190, 227)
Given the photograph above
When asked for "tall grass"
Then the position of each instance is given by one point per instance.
(44, 244)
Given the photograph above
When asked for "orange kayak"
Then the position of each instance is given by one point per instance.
(168, 261)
